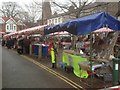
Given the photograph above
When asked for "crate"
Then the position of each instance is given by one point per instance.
(62, 65)
(69, 69)
(107, 77)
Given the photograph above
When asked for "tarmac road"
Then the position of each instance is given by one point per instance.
(17, 72)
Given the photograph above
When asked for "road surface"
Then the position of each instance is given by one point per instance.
(17, 72)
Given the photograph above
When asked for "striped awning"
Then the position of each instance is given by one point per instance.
(33, 30)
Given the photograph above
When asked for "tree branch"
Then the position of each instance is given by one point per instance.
(74, 4)
(61, 7)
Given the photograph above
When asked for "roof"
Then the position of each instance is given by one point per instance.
(5, 18)
(16, 20)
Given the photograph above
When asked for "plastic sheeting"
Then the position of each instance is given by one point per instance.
(86, 25)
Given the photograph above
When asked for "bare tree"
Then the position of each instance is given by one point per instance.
(34, 11)
(73, 7)
(30, 14)
(10, 9)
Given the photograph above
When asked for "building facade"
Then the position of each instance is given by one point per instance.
(118, 14)
(111, 8)
(9, 24)
(58, 18)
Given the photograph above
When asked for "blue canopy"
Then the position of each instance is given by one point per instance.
(87, 24)
(56, 28)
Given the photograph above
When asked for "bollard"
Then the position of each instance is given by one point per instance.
(116, 62)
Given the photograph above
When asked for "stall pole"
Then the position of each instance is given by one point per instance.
(91, 43)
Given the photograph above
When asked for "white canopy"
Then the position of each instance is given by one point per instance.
(103, 30)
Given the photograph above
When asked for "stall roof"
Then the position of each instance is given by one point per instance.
(87, 24)
(33, 30)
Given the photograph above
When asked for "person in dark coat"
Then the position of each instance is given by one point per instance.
(8, 43)
(26, 43)
(3, 42)
(20, 45)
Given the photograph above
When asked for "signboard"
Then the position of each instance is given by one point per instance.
(116, 66)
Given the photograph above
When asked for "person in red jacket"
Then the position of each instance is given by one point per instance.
(50, 46)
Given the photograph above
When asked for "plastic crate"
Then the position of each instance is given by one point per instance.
(107, 77)
(69, 69)
(62, 65)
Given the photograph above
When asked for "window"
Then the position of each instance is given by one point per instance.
(11, 26)
(53, 21)
(14, 27)
(59, 20)
(56, 20)
(50, 21)
(7, 27)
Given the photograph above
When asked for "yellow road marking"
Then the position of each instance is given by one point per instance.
(55, 73)
(64, 77)
(58, 77)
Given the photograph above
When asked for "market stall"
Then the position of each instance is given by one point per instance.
(83, 26)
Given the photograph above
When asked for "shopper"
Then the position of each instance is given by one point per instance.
(26, 43)
(53, 56)
(20, 45)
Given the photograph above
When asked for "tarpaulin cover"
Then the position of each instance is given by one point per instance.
(52, 29)
(74, 60)
(87, 24)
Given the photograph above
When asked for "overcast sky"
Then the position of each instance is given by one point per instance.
(21, 2)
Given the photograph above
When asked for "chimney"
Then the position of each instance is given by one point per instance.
(46, 10)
